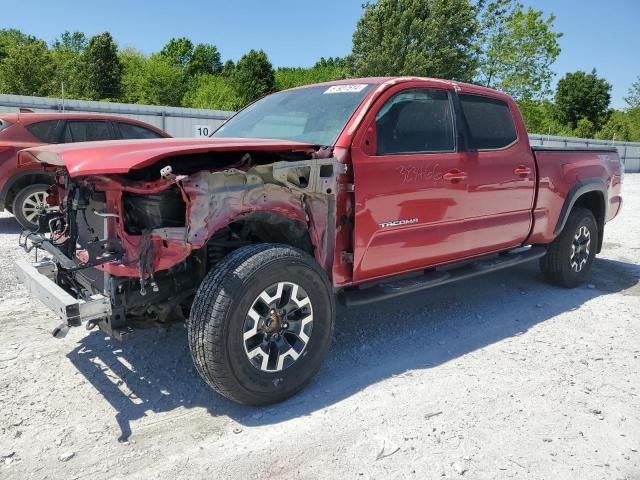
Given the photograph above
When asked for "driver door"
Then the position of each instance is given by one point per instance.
(410, 183)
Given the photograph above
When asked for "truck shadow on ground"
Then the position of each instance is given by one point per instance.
(152, 372)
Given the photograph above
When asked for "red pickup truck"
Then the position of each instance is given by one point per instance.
(360, 189)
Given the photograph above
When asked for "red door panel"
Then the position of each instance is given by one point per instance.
(408, 212)
(501, 182)
(407, 215)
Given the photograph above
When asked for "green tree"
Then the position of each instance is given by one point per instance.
(584, 128)
(228, 68)
(253, 77)
(633, 117)
(539, 117)
(27, 69)
(178, 51)
(333, 62)
(151, 80)
(517, 48)
(134, 66)
(322, 71)
(10, 38)
(633, 97)
(67, 53)
(212, 91)
(616, 128)
(101, 68)
(75, 42)
(204, 60)
(163, 82)
(416, 37)
(582, 95)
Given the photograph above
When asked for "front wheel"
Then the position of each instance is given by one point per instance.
(261, 323)
(569, 257)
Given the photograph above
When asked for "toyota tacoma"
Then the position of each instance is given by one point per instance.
(358, 190)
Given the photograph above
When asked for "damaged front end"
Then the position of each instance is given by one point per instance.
(131, 249)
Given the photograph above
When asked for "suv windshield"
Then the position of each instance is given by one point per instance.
(314, 115)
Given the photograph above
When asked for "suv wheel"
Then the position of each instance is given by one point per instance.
(261, 323)
(29, 203)
(569, 257)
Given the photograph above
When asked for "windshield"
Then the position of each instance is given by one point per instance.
(314, 115)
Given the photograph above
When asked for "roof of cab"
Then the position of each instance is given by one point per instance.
(468, 87)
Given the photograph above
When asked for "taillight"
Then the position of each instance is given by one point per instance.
(5, 149)
(26, 159)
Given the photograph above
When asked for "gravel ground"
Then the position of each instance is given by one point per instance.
(503, 377)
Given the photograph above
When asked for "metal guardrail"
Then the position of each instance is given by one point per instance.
(178, 121)
(125, 109)
(629, 152)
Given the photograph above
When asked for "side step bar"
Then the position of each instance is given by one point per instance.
(439, 276)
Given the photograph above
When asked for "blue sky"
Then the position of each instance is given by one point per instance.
(604, 35)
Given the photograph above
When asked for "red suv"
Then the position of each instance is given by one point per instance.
(23, 188)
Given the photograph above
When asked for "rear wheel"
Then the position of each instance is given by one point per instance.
(569, 257)
(29, 203)
(261, 323)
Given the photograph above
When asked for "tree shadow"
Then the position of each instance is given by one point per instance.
(153, 370)
(9, 225)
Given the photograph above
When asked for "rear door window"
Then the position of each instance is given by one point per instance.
(46, 132)
(87, 131)
(489, 121)
(418, 120)
(130, 131)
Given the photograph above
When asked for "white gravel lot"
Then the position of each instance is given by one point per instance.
(501, 377)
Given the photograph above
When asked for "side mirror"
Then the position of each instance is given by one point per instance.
(369, 143)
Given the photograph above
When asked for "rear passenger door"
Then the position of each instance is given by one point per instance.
(87, 131)
(501, 174)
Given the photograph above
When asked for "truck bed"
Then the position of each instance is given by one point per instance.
(561, 175)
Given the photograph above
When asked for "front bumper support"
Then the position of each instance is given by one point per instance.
(39, 279)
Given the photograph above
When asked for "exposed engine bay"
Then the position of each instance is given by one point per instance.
(145, 240)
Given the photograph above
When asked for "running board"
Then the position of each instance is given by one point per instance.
(433, 278)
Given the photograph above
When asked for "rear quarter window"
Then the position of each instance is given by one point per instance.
(489, 121)
(46, 132)
(130, 131)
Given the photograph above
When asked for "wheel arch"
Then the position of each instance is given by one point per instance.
(21, 180)
(590, 194)
(260, 226)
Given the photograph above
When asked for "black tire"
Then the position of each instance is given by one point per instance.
(559, 266)
(220, 312)
(22, 203)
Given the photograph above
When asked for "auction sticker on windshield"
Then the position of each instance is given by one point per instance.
(355, 87)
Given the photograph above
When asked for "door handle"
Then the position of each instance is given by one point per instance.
(522, 171)
(455, 176)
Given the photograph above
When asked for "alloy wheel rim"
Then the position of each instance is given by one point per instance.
(278, 327)
(34, 205)
(580, 248)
